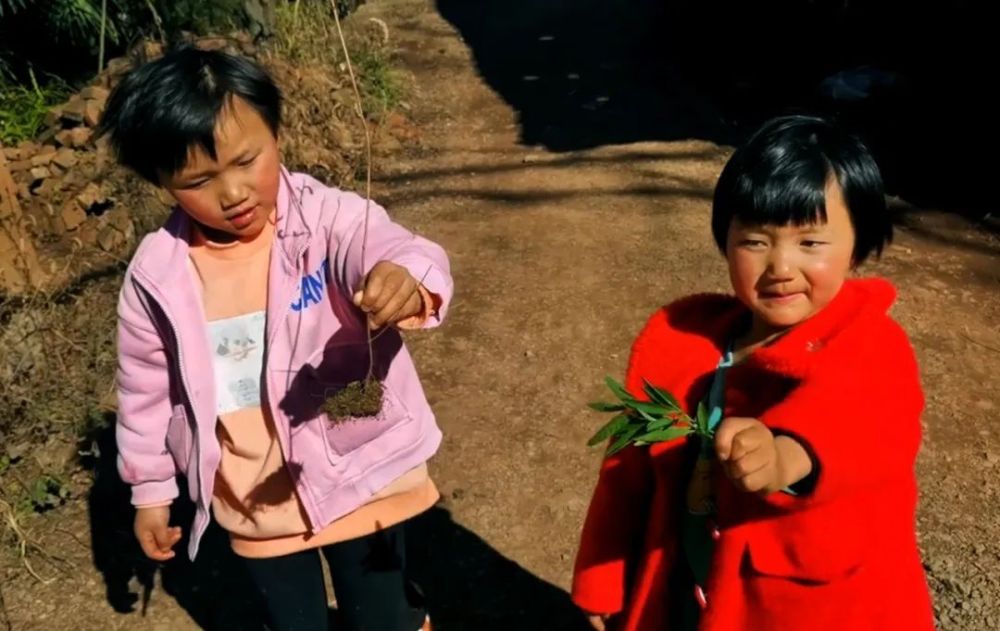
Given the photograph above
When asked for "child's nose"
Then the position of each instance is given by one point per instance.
(779, 264)
(233, 193)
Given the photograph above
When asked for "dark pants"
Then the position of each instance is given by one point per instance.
(369, 580)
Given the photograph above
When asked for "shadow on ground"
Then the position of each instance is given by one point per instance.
(583, 73)
(214, 590)
(912, 80)
(468, 584)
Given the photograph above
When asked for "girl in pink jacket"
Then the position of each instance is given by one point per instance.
(237, 319)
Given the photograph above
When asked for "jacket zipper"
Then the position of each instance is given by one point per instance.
(145, 296)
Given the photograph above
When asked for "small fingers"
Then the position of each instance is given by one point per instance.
(727, 432)
(151, 547)
(747, 465)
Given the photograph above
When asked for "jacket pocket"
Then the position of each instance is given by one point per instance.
(346, 435)
(808, 547)
(327, 371)
(179, 439)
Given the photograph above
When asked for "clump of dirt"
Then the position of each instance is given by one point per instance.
(357, 399)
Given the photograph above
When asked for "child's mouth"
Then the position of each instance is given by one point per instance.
(243, 219)
(780, 299)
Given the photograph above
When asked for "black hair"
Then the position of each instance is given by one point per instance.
(163, 108)
(779, 177)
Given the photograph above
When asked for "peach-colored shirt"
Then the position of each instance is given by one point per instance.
(255, 499)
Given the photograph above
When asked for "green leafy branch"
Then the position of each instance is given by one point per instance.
(641, 423)
(12, 6)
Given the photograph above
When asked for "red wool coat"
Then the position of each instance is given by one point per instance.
(844, 556)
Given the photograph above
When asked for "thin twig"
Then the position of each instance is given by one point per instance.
(368, 168)
(966, 335)
(73, 537)
(20, 483)
(364, 124)
(23, 543)
(31, 570)
(384, 29)
(66, 339)
(157, 20)
(295, 24)
(326, 31)
(104, 28)
(113, 257)
(60, 360)
(4, 618)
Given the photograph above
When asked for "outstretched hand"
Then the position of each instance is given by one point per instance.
(390, 294)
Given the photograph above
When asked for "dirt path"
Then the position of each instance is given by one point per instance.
(559, 256)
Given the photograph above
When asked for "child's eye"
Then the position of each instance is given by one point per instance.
(196, 184)
(752, 243)
(247, 161)
(812, 243)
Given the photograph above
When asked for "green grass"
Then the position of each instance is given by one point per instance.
(23, 107)
(306, 34)
(381, 87)
(44, 493)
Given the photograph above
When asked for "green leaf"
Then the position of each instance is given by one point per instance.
(646, 417)
(660, 423)
(645, 413)
(47, 492)
(623, 440)
(610, 428)
(701, 424)
(12, 5)
(649, 408)
(660, 396)
(619, 390)
(601, 406)
(662, 435)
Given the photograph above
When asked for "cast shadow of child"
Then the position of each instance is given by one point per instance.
(468, 584)
(214, 590)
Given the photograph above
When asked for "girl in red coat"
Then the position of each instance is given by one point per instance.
(799, 514)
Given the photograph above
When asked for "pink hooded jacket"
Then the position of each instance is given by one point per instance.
(316, 343)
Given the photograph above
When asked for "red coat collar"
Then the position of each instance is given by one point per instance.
(794, 354)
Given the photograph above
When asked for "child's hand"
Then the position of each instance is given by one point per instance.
(598, 621)
(389, 295)
(154, 534)
(756, 460)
